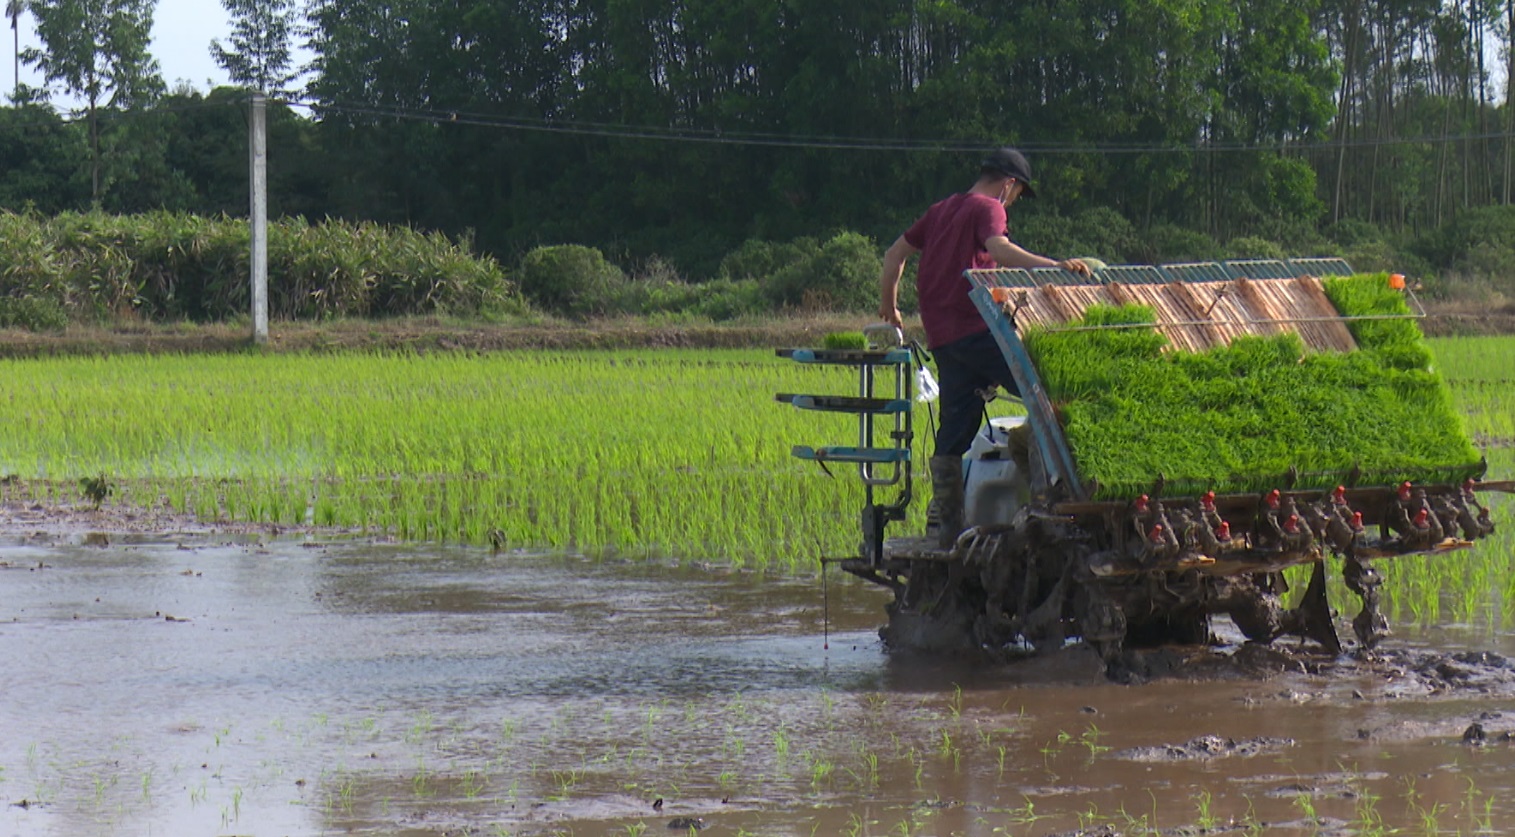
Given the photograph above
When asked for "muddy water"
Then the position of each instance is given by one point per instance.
(191, 687)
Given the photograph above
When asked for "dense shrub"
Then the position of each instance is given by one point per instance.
(756, 259)
(1350, 232)
(1379, 256)
(1046, 233)
(32, 313)
(1294, 236)
(842, 276)
(366, 269)
(1107, 233)
(726, 299)
(1251, 247)
(1100, 233)
(168, 266)
(1165, 243)
(717, 300)
(1479, 245)
(569, 279)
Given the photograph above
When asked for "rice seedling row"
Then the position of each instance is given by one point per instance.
(673, 453)
(661, 453)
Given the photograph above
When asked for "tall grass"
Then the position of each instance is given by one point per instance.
(654, 452)
(171, 266)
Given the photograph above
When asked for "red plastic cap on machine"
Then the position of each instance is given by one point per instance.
(1357, 521)
(1291, 524)
(1156, 535)
(1397, 281)
(1339, 496)
(1421, 518)
(1141, 504)
(1223, 531)
(1404, 490)
(1207, 501)
(1274, 498)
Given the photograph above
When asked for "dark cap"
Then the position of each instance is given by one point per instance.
(1007, 162)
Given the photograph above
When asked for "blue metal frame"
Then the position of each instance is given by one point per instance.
(1056, 459)
(1329, 266)
(1197, 272)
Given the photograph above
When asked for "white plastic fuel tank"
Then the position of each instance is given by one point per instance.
(995, 486)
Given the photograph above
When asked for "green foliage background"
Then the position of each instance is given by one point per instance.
(701, 140)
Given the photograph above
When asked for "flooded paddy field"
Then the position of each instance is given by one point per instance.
(230, 680)
(246, 685)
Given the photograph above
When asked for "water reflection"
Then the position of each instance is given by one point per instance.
(302, 689)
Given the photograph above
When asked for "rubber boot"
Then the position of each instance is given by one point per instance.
(947, 496)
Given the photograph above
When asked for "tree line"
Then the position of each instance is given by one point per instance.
(680, 129)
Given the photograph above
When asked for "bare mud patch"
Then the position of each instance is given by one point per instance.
(89, 525)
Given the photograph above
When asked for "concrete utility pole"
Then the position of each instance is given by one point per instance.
(258, 217)
(13, 9)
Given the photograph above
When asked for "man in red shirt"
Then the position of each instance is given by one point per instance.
(961, 232)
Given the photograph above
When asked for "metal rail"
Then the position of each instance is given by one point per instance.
(1045, 430)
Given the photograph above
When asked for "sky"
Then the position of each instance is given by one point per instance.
(182, 32)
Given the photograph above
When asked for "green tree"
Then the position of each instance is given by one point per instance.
(41, 161)
(258, 54)
(97, 50)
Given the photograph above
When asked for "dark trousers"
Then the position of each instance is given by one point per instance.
(963, 367)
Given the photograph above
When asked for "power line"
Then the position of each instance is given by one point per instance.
(714, 136)
(710, 136)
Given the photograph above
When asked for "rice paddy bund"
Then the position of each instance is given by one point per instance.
(668, 453)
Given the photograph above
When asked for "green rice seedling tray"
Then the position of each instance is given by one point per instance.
(1256, 411)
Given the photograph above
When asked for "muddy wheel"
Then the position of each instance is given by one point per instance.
(1188, 625)
(937, 611)
(1253, 604)
(1043, 626)
(1259, 617)
(1361, 578)
(1100, 621)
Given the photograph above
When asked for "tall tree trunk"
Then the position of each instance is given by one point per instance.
(1443, 161)
(1485, 155)
(1344, 102)
(1475, 44)
(1509, 107)
(94, 155)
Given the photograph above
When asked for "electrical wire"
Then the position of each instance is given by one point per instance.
(699, 135)
(690, 134)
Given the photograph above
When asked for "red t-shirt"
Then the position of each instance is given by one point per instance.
(951, 238)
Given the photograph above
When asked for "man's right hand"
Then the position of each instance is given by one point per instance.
(891, 315)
